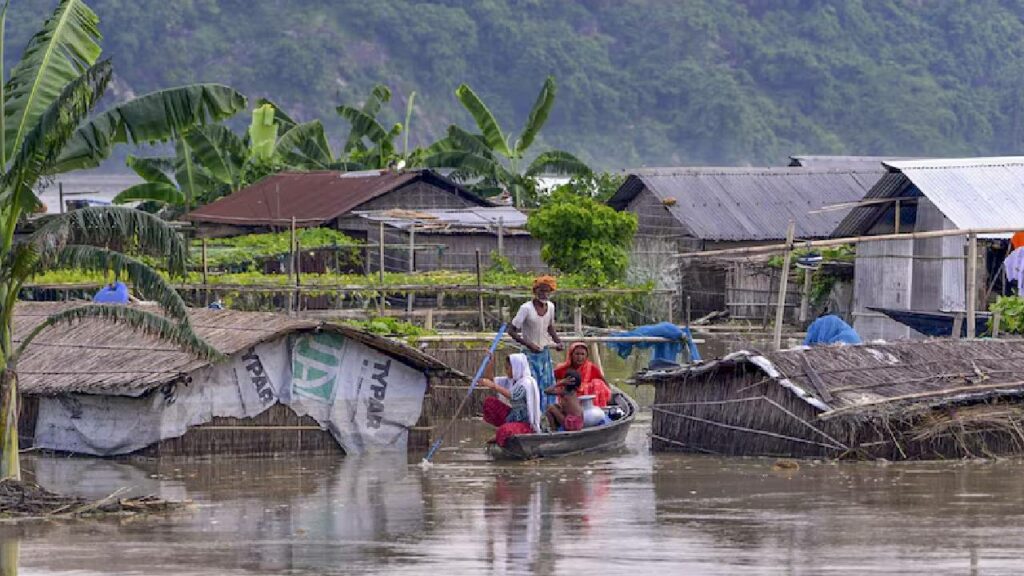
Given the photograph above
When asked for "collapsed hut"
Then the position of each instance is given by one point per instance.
(285, 384)
(934, 399)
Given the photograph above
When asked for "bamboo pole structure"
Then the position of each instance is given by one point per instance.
(773, 248)
(480, 291)
(380, 273)
(501, 236)
(805, 296)
(780, 309)
(291, 263)
(206, 272)
(972, 279)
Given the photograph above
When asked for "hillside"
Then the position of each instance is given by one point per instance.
(641, 82)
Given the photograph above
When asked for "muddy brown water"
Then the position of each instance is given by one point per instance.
(629, 512)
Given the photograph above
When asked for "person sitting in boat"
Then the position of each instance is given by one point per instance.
(592, 382)
(567, 412)
(520, 413)
(534, 328)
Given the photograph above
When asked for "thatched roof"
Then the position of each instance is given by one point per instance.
(98, 357)
(878, 378)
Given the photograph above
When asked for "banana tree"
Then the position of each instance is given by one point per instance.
(46, 130)
(369, 143)
(496, 160)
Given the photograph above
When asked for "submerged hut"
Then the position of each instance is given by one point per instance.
(285, 384)
(907, 400)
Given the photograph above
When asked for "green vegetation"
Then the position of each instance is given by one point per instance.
(1011, 311)
(641, 82)
(388, 326)
(241, 252)
(48, 98)
(584, 237)
(494, 158)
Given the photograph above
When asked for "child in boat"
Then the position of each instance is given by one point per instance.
(568, 412)
(520, 412)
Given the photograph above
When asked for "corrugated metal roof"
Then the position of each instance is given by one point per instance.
(313, 198)
(462, 219)
(971, 192)
(841, 161)
(751, 203)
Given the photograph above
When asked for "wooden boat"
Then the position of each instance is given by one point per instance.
(558, 444)
(938, 324)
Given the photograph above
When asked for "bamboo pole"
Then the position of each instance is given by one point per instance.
(380, 273)
(780, 309)
(770, 249)
(206, 272)
(577, 319)
(896, 224)
(501, 236)
(291, 263)
(805, 296)
(412, 248)
(60, 195)
(585, 339)
(480, 293)
(972, 279)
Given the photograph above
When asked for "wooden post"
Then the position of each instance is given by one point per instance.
(780, 309)
(958, 325)
(291, 263)
(60, 194)
(896, 225)
(410, 297)
(577, 319)
(595, 357)
(805, 296)
(428, 320)
(671, 307)
(380, 272)
(972, 280)
(996, 317)
(480, 291)
(206, 287)
(688, 309)
(501, 236)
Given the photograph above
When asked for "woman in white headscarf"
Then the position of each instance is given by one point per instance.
(519, 413)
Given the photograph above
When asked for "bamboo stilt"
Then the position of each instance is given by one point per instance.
(780, 309)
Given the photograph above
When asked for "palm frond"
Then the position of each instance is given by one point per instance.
(538, 115)
(305, 146)
(66, 46)
(408, 125)
(150, 284)
(193, 179)
(41, 145)
(108, 225)
(158, 116)
(140, 321)
(3, 85)
(468, 142)
(151, 191)
(485, 121)
(557, 162)
(152, 169)
(363, 125)
(280, 116)
(219, 150)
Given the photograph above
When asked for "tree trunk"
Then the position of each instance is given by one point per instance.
(10, 464)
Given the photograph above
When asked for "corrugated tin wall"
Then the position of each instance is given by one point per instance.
(882, 277)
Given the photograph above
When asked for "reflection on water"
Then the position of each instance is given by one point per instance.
(626, 513)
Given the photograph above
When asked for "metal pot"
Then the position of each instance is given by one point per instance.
(592, 415)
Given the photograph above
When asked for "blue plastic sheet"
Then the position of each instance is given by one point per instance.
(116, 293)
(663, 353)
(830, 330)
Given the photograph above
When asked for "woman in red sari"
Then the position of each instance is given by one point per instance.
(592, 380)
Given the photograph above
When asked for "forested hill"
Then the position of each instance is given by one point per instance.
(641, 82)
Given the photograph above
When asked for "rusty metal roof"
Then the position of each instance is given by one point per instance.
(737, 204)
(314, 198)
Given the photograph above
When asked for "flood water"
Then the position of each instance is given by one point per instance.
(630, 512)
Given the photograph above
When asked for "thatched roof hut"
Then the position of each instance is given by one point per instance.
(906, 400)
(108, 369)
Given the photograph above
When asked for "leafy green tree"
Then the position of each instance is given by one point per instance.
(494, 158)
(583, 236)
(598, 185)
(46, 130)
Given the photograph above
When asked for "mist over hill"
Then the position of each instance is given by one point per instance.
(641, 82)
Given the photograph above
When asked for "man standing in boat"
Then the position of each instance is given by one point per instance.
(534, 328)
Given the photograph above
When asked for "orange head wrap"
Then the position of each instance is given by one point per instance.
(548, 281)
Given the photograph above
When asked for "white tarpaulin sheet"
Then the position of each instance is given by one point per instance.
(365, 398)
